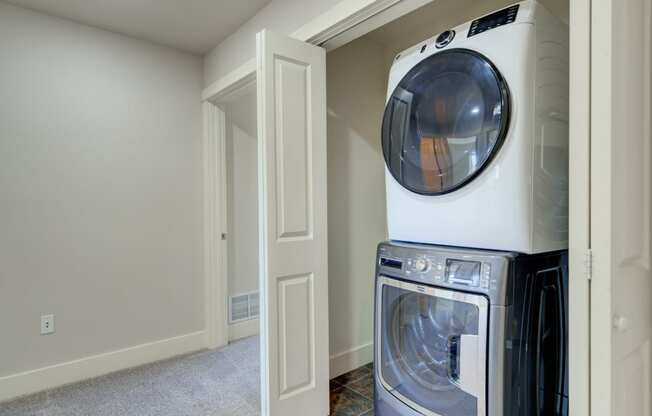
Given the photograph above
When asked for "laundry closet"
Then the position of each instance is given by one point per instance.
(293, 183)
(357, 76)
(358, 83)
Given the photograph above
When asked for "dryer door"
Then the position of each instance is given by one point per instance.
(445, 121)
(432, 347)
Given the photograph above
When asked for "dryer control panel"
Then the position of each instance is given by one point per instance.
(464, 269)
(490, 21)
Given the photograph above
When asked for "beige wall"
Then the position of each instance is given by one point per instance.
(281, 16)
(100, 191)
(356, 83)
(242, 191)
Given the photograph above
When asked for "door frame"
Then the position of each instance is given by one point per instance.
(216, 202)
(351, 19)
(579, 253)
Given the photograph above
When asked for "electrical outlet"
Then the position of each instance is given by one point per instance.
(47, 324)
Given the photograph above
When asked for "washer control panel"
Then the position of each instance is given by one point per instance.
(451, 270)
(465, 269)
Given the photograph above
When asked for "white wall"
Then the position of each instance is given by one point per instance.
(100, 191)
(242, 191)
(281, 16)
(356, 195)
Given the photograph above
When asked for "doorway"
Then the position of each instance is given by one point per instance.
(232, 240)
(241, 183)
(356, 172)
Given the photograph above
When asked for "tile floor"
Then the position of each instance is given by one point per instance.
(352, 394)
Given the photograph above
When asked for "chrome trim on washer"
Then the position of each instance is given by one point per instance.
(478, 300)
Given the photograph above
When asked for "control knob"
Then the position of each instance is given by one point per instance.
(444, 38)
(422, 265)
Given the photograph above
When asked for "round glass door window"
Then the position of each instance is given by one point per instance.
(445, 121)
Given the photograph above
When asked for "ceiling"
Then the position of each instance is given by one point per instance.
(194, 26)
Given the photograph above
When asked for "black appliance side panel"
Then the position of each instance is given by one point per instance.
(536, 362)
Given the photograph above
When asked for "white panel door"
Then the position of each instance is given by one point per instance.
(621, 289)
(293, 267)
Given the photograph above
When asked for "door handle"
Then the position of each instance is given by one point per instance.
(453, 347)
(463, 363)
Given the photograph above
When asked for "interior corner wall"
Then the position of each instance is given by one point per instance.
(100, 191)
(356, 84)
(281, 16)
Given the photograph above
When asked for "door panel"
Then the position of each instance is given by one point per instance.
(621, 291)
(296, 341)
(293, 268)
(294, 139)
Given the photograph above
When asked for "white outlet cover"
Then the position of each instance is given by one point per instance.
(47, 324)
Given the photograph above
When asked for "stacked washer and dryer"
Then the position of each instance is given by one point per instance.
(471, 291)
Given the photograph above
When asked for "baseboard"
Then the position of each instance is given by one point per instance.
(346, 361)
(244, 329)
(56, 375)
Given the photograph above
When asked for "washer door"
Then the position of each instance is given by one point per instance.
(432, 347)
(445, 121)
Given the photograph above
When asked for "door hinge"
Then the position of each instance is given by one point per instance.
(223, 236)
(588, 264)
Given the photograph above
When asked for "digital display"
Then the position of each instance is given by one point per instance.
(392, 263)
(493, 20)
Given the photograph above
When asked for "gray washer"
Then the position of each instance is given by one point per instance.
(457, 332)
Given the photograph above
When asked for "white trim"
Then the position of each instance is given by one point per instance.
(216, 313)
(244, 329)
(340, 18)
(96, 365)
(366, 21)
(264, 317)
(343, 362)
(231, 82)
(579, 208)
(602, 214)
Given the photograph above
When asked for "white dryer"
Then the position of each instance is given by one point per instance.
(475, 135)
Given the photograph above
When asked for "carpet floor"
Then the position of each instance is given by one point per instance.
(224, 382)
